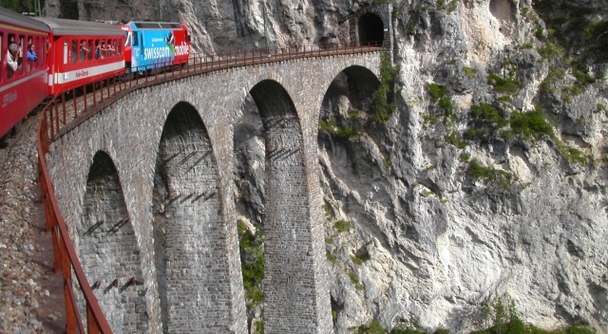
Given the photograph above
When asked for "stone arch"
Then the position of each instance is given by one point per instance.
(109, 251)
(347, 144)
(249, 178)
(370, 28)
(189, 238)
(290, 282)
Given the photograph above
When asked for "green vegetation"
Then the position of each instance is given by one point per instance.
(331, 126)
(429, 119)
(502, 178)
(570, 27)
(453, 139)
(259, 327)
(488, 113)
(470, 72)
(503, 85)
(410, 28)
(373, 328)
(526, 46)
(20, 6)
(530, 125)
(602, 108)
(359, 260)
(342, 225)
(498, 317)
(439, 96)
(252, 263)
(330, 257)
(383, 105)
(449, 6)
(354, 279)
(472, 134)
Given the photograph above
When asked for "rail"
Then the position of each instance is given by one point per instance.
(85, 102)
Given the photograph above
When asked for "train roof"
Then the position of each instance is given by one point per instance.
(18, 20)
(155, 25)
(63, 27)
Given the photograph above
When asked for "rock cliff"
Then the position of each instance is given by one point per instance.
(487, 181)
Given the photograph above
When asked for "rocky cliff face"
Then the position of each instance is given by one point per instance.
(488, 180)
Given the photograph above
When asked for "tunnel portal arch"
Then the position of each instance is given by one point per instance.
(370, 28)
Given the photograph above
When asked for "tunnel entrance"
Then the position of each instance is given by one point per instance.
(371, 29)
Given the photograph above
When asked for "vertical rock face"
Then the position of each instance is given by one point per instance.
(488, 181)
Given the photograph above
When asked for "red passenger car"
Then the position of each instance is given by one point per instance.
(81, 52)
(23, 88)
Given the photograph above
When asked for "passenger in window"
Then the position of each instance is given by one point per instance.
(110, 50)
(98, 50)
(84, 50)
(31, 53)
(14, 57)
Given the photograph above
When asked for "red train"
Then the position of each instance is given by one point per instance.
(44, 57)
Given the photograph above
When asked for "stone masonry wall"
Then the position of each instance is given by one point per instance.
(130, 132)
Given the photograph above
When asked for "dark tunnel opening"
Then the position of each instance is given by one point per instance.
(371, 29)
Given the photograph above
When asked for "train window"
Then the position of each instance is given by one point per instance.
(111, 50)
(135, 41)
(74, 51)
(90, 48)
(28, 60)
(13, 66)
(119, 49)
(128, 39)
(97, 49)
(84, 50)
(65, 51)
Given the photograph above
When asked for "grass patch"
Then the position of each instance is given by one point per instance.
(331, 126)
(342, 225)
(439, 96)
(502, 178)
(488, 113)
(252, 263)
(359, 260)
(383, 105)
(602, 108)
(473, 134)
(372, 328)
(530, 125)
(355, 280)
(470, 72)
(453, 139)
(330, 257)
(503, 85)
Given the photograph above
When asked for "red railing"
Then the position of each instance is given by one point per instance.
(70, 109)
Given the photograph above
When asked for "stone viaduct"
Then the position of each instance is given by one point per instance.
(147, 189)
